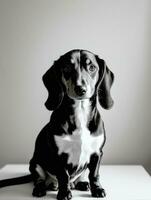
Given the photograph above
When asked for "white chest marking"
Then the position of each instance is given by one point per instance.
(79, 148)
(81, 144)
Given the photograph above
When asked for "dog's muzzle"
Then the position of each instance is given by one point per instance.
(80, 90)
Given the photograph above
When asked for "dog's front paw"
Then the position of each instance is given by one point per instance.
(64, 195)
(98, 192)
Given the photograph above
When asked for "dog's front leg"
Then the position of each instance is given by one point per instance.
(95, 186)
(64, 192)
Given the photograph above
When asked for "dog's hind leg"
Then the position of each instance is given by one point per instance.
(39, 178)
(51, 182)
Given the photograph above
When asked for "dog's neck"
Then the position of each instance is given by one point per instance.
(80, 112)
(75, 114)
(82, 109)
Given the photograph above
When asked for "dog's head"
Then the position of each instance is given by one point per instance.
(79, 74)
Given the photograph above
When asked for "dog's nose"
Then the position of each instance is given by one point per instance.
(80, 90)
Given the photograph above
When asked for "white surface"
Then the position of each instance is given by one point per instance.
(120, 183)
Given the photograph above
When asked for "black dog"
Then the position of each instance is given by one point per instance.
(73, 139)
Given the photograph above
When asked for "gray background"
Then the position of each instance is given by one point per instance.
(34, 33)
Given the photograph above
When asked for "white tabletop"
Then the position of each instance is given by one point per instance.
(125, 182)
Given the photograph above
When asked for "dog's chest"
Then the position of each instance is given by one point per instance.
(81, 144)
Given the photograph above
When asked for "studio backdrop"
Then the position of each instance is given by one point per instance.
(35, 33)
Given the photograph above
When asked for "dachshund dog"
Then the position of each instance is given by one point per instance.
(73, 140)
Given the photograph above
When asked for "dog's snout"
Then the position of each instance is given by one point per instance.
(80, 90)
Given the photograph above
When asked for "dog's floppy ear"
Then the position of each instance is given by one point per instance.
(105, 84)
(52, 81)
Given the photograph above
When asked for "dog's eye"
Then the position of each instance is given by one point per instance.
(88, 61)
(92, 68)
